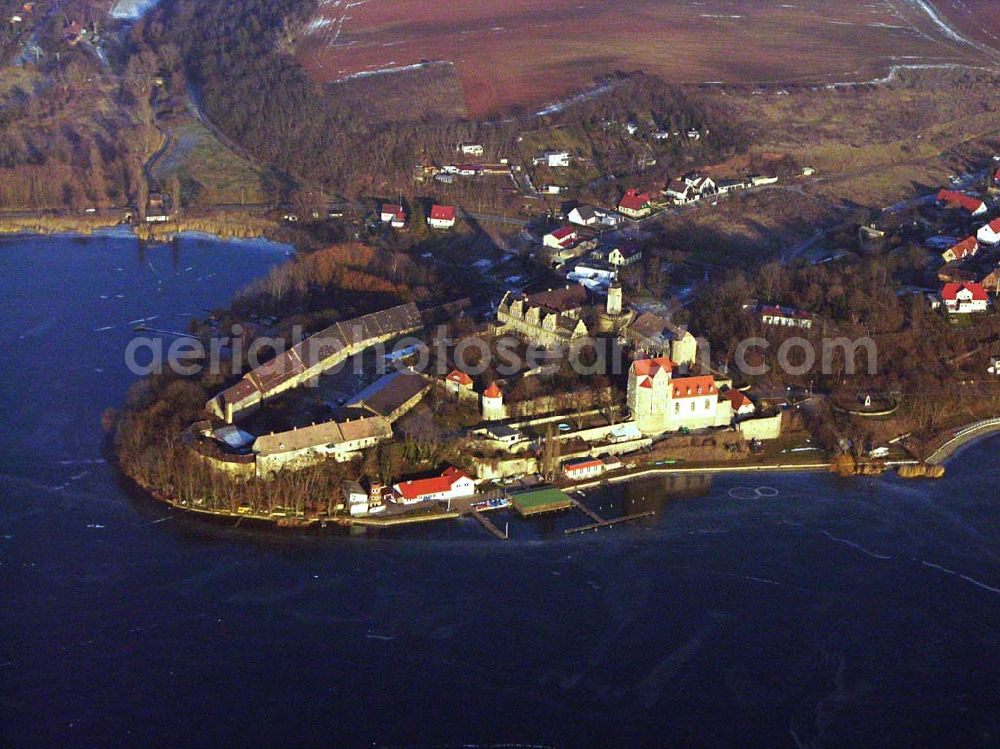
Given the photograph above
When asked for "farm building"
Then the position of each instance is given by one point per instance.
(442, 217)
(964, 298)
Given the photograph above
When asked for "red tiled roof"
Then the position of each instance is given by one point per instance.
(493, 391)
(995, 225)
(566, 231)
(693, 387)
(435, 485)
(460, 377)
(581, 464)
(949, 291)
(968, 246)
(738, 399)
(634, 200)
(443, 212)
(649, 367)
(953, 198)
(996, 177)
(395, 210)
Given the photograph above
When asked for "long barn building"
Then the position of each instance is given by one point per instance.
(312, 357)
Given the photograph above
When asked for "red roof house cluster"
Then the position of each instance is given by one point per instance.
(954, 199)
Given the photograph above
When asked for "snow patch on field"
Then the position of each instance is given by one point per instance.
(131, 9)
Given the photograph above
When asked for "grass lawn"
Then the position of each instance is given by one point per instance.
(209, 172)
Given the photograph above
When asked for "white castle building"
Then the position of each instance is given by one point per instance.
(661, 403)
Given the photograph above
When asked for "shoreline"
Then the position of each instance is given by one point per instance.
(302, 523)
(222, 226)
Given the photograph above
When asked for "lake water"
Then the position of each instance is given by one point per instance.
(816, 612)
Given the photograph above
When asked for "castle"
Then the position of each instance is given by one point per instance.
(660, 402)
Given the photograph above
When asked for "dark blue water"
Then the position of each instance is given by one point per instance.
(862, 613)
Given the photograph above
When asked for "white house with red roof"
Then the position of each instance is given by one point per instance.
(452, 484)
(442, 217)
(457, 381)
(990, 234)
(953, 199)
(635, 204)
(580, 469)
(964, 298)
(561, 239)
(393, 215)
(660, 402)
(967, 248)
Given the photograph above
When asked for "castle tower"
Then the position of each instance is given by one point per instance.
(493, 409)
(615, 299)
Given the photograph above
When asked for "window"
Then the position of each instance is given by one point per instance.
(677, 408)
(692, 406)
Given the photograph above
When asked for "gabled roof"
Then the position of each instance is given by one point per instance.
(738, 399)
(961, 200)
(650, 367)
(634, 200)
(950, 291)
(435, 485)
(563, 232)
(493, 391)
(443, 212)
(994, 225)
(693, 387)
(968, 246)
(460, 377)
(390, 209)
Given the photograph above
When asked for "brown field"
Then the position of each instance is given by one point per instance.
(530, 52)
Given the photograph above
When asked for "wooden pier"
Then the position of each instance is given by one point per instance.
(608, 523)
(586, 510)
(488, 525)
(600, 522)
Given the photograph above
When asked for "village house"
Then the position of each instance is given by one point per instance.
(690, 188)
(441, 217)
(990, 234)
(964, 298)
(553, 159)
(394, 215)
(586, 215)
(660, 402)
(159, 208)
(451, 484)
(583, 215)
(635, 204)
(965, 249)
(561, 238)
(580, 469)
(785, 317)
(471, 149)
(950, 199)
(458, 381)
(622, 257)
